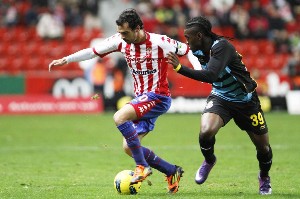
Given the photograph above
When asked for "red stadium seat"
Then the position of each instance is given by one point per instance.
(3, 65)
(251, 47)
(240, 48)
(14, 49)
(31, 48)
(32, 63)
(74, 34)
(266, 47)
(260, 62)
(3, 49)
(15, 65)
(278, 61)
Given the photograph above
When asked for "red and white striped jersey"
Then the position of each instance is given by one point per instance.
(146, 60)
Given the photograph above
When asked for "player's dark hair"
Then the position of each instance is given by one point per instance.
(204, 26)
(131, 17)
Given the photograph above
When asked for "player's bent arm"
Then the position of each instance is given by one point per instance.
(81, 55)
(209, 76)
(199, 75)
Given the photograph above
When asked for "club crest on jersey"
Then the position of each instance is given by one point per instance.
(148, 52)
(209, 105)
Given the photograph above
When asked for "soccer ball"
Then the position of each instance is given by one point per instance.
(122, 183)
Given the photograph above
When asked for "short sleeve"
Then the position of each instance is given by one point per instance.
(171, 45)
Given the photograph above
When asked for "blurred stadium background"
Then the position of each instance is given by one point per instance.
(34, 32)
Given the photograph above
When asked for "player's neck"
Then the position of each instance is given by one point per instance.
(141, 37)
(207, 43)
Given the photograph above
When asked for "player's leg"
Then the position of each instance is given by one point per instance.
(152, 159)
(123, 119)
(173, 172)
(215, 116)
(127, 149)
(264, 157)
(250, 117)
(157, 105)
(210, 125)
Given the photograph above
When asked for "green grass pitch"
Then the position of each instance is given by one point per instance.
(77, 156)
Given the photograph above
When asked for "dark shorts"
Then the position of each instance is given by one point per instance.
(247, 116)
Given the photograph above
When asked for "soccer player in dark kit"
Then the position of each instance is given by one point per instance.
(233, 96)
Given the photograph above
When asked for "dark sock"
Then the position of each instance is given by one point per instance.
(207, 149)
(158, 163)
(133, 142)
(265, 162)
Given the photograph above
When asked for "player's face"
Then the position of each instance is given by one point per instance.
(127, 34)
(193, 39)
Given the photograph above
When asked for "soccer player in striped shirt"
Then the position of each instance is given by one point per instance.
(233, 95)
(145, 54)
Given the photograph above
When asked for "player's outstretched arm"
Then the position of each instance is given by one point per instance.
(81, 55)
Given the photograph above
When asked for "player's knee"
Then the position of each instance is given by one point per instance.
(265, 149)
(207, 132)
(265, 155)
(118, 118)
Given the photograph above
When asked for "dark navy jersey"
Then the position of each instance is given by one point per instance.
(224, 69)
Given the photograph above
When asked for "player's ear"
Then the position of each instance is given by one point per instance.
(199, 35)
(137, 28)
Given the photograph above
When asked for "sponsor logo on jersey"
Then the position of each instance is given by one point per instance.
(140, 60)
(143, 72)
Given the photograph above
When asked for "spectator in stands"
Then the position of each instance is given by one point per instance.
(294, 38)
(239, 17)
(98, 76)
(256, 8)
(258, 22)
(276, 23)
(147, 14)
(89, 11)
(74, 17)
(222, 9)
(258, 26)
(50, 26)
(11, 15)
(31, 16)
(282, 41)
(292, 69)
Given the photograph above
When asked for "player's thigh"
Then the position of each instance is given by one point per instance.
(215, 114)
(250, 117)
(126, 113)
(150, 105)
(210, 124)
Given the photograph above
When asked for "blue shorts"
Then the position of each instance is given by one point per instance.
(148, 107)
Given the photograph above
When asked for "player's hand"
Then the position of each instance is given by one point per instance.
(173, 59)
(57, 62)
